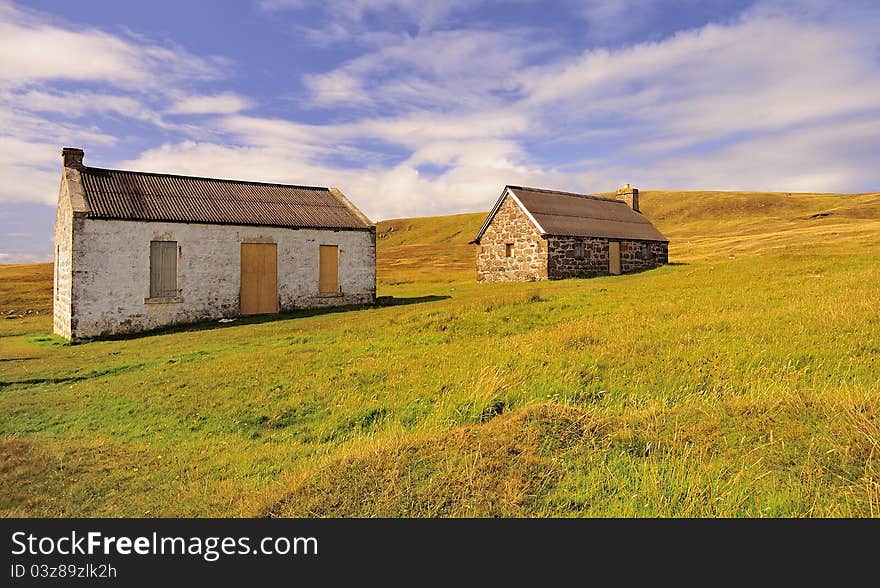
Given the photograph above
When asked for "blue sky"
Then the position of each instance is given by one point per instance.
(420, 108)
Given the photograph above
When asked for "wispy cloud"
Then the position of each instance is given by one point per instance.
(676, 112)
(32, 50)
(223, 103)
(467, 69)
(353, 15)
(63, 85)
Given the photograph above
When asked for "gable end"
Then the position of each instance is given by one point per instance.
(504, 194)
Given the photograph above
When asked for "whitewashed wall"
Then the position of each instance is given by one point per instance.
(61, 280)
(111, 272)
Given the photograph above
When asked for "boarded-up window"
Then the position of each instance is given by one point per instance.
(328, 269)
(508, 250)
(646, 252)
(578, 250)
(163, 269)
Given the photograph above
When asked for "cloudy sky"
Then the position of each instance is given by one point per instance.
(414, 107)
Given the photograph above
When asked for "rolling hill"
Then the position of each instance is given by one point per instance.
(741, 380)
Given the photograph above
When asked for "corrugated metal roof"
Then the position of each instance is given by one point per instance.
(128, 195)
(580, 215)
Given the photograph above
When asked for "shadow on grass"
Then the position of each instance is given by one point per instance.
(634, 272)
(394, 301)
(214, 324)
(643, 270)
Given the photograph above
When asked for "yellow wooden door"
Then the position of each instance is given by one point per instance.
(259, 278)
(328, 276)
(614, 258)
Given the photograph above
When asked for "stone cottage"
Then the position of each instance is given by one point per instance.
(537, 234)
(136, 251)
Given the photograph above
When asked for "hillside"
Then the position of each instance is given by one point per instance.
(427, 248)
(741, 380)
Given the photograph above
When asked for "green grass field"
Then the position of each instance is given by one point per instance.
(741, 380)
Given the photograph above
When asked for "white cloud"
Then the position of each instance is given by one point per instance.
(381, 192)
(33, 51)
(336, 87)
(442, 69)
(827, 157)
(763, 102)
(135, 77)
(413, 131)
(224, 103)
(757, 74)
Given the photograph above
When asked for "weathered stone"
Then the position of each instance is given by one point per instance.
(596, 260)
(102, 269)
(539, 257)
(528, 260)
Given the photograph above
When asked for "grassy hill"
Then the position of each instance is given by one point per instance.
(426, 249)
(742, 380)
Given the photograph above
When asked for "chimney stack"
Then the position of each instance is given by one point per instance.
(629, 195)
(72, 157)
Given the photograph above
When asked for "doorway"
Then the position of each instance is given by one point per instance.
(614, 258)
(259, 278)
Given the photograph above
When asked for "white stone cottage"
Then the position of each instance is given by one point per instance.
(135, 251)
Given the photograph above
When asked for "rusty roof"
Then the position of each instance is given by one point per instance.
(142, 196)
(578, 215)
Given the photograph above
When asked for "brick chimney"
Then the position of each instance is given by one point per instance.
(629, 195)
(72, 157)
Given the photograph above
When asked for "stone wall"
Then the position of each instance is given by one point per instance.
(641, 255)
(528, 260)
(61, 286)
(111, 272)
(563, 261)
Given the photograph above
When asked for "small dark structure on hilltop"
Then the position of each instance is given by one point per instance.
(537, 234)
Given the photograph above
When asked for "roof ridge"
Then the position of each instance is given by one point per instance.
(88, 168)
(563, 193)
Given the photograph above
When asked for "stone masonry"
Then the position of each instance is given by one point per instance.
(63, 276)
(528, 253)
(512, 248)
(563, 261)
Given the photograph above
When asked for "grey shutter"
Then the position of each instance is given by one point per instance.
(163, 269)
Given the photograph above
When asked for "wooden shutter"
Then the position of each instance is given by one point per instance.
(163, 269)
(328, 276)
